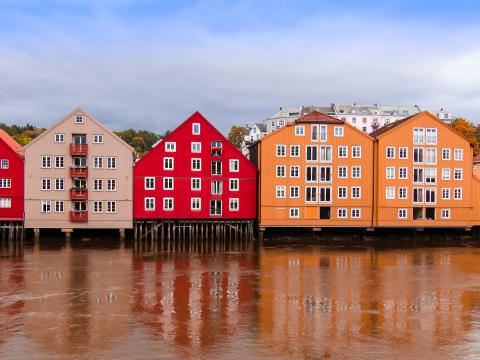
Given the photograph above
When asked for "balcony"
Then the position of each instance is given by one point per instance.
(78, 216)
(79, 171)
(78, 194)
(78, 149)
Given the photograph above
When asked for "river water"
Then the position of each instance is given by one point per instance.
(90, 301)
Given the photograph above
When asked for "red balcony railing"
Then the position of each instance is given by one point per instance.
(78, 149)
(77, 171)
(78, 216)
(78, 194)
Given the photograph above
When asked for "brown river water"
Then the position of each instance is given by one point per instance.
(90, 301)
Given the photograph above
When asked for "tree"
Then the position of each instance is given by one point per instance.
(469, 130)
(236, 134)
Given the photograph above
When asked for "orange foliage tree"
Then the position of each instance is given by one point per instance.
(469, 130)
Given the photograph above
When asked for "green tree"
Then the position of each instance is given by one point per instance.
(236, 134)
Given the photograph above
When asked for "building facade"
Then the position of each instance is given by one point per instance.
(316, 171)
(194, 173)
(78, 174)
(11, 178)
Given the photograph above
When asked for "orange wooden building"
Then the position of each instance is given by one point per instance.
(315, 172)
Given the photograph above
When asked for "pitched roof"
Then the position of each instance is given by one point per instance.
(318, 118)
(12, 143)
(262, 127)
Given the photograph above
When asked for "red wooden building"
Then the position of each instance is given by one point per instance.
(11, 179)
(195, 173)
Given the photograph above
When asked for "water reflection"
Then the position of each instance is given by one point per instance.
(110, 302)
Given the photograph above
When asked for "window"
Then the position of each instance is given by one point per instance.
(418, 175)
(294, 192)
(390, 172)
(364, 129)
(295, 171)
(342, 172)
(430, 196)
(311, 194)
(311, 174)
(5, 203)
(97, 162)
(234, 184)
(390, 152)
(343, 151)
(149, 204)
(446, 214)
(59, 162)
(168, 163)
(299, 130)
(111, 184)
(196, 147)
(402, 213)
(445, 154)
(430, 176)
(314, 132)
(215, 207)
(445, 174)
(356, 151)
(217, 187)
(98, 139)
(457, 174)
(216, 148)
(168, 204)
(79, 119)
(430, 156)
(59, 184)
(325, 173)
(196, 129)
(342, 192)
(97, 184)
(233, 204)
(417, 195)
(356, 172)
(46, 206)
(403, 173)
(149, 183)
(431, 136)
(59, 138)
(280, 192)
(325, 153)
(342, 213)
(445, 193)
(403, 152)
(280, 171)
(294, 150)
(458, 154)
(325, 194)
(234, 165)
(354, 120)
(4, 164)
(356, 192)
(356, 213)
(46, 162)
(46, 184)
(5, 183)
(294, 213)
(418, 156)
(457, 194)
(97, 207)
(195, 204)
(216, 167)
(196, 185)
(338, 131)
(170, 146)
(323, 132)
(312, 152)
(59, 206)
(418, 136)
(390, 192)
(111, 162)
(196, 164)
(402, 193)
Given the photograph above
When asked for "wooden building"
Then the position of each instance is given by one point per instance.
(78, 175)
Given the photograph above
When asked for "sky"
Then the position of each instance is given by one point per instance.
(150, 64)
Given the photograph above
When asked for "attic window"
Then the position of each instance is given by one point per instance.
(196, 129)
(79, 119)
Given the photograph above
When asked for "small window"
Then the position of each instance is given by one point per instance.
(46, 184)
(356, 213)
(59, 184)
(299, 130)
(294, 150)
(431, 136)
(217, 187)
(390, 152)
(170, 146)
(402, 193)
(233, 204)
(98, 139)
(168, 183)
(4, 164)
(196, 147)
(342, 172)
(46, 206)
(111, 162)
(446, 214)
(97, 162)
(280, 150)
(458, 174)
(217, 148)
(196, 184)
(5, 203)
(234, 184)
(168, 163)
(280, 171)
(79, 119)
(402, 213)
(97, 184)
(342, 213)
(343, 151)
(356, 192)
(5, 183)
(149, 183)
(59, 206)
(280, 192)
(111, 184)
(356, 172)
(294, 192)
(196, 164)
(356, 151)
(390, 192)
(46, 162)
(403, 152)
(59, 138)
(294, 213)
(59, 162)
(195, 204)
(445, 154)
(149, 204)
(390, 172)
(338, 131)
(295, 171)
(457, 194)
(215, 207)
(403, 173)
(234, 165)
(111, 207)
(196, 129)
(418, 136)
(216, 167)
(445, 193)
(98, 207)
(342, 192)
(458, 155)
(168, 204)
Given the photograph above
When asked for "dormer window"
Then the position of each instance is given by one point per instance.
(79, 119)
(216, 148)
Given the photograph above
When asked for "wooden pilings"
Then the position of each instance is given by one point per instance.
(198, 236)
(12, 236)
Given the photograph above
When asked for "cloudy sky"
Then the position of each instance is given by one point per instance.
(150, 64)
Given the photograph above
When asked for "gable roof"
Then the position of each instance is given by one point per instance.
(317, 117)
(16, 147)
(79, 108)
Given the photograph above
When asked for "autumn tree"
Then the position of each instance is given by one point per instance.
(469, 130)
(236, 134)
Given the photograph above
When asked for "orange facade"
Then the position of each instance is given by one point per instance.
(321, 172)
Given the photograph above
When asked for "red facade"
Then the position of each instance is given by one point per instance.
(194, 173)
(11, 178)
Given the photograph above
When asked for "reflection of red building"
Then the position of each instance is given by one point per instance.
(194, 301)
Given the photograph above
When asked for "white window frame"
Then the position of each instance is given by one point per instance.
(167, 181)
(359, 172)
(390, 192)
(46, 184)
(457, 152)
(234, 201)
(196, 201)
(295, 150)
(46, 206)
(296, 192)
(59, 206)
(342, 152)
(279, 189)
(59, 181)
(354, 215)
(98, 162)
(402, 193)
(446, 194)
(111, 162)
(147, 184)
(455, 197)
(299, 130)
(79, 119)
(98, 138)
(61, 159)
(390, 172)
(46, 159)
(170, 146)
(97, 207)
(445, 214)
(165, 201)
(355, 149)
(446, 174)
(277, 167)
(196, 129)
(402, 213)
(111, 207)
(194, 162)
(232, 167)
(294, 213)
(193, 181)
(280, 150)
(196, 147)
(352, 192)
(341, 169)
(294, 171)
(342, 192)
(149, 204)
(404, 170)
(460, 171)
(59, 138)
(390, 152)
(338, 131)
(234, 181)
(166, 161)
(342, 213)
(97, 185)
(403, 149)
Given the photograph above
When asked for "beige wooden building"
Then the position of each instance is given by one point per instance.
(78, 174)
